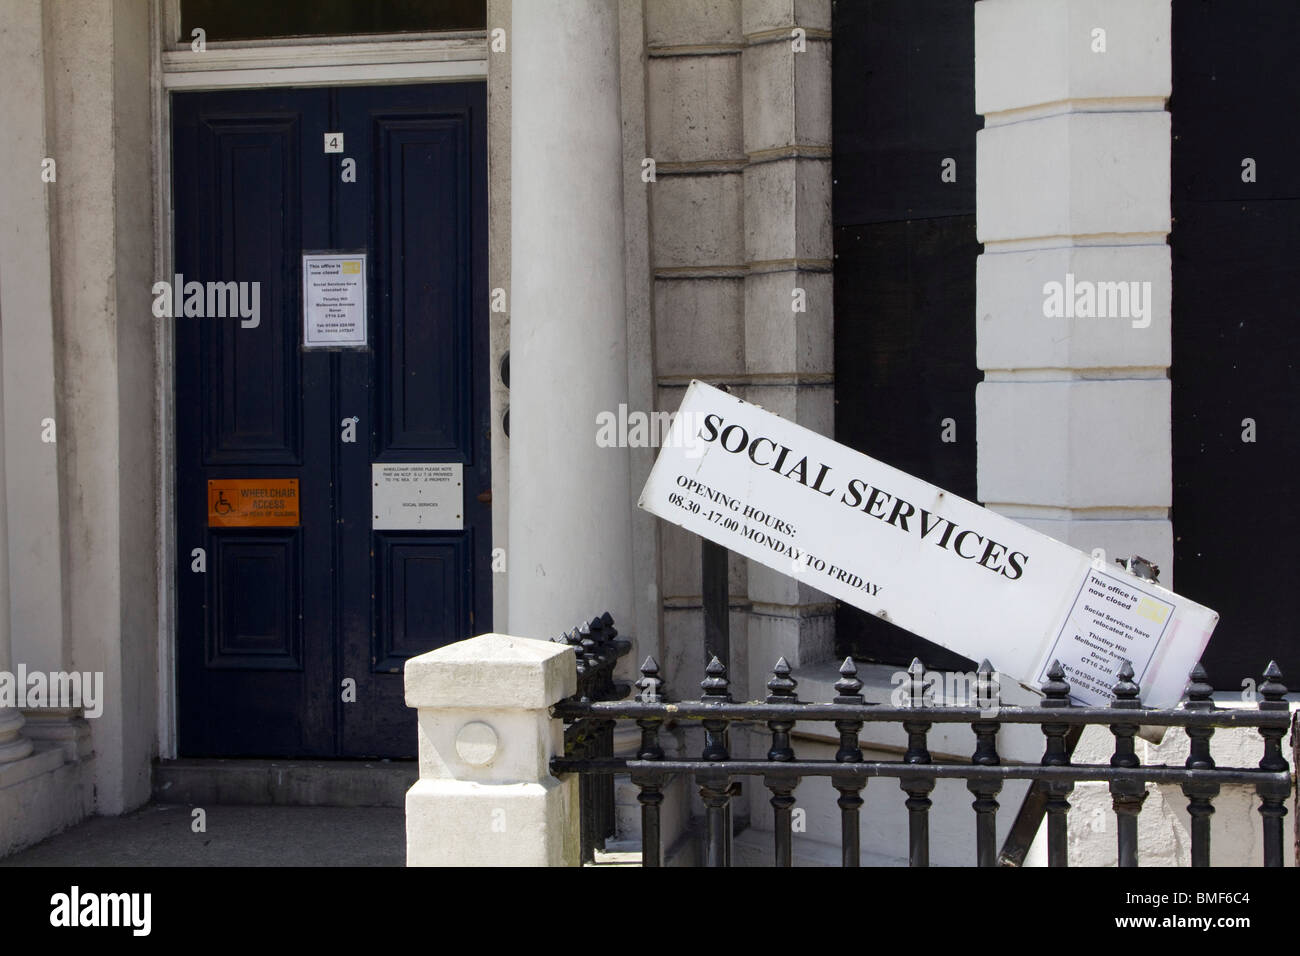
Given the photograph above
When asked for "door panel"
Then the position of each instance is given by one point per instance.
(281, 617)
(421, 390)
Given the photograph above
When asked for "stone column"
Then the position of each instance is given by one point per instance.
(13, 745)
(36, 613)
(98, 88)
(486, 796)
(1073, 416)
(570, 500)
(24, 303)
(1073, 193)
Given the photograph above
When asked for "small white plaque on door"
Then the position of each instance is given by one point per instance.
(417, 497)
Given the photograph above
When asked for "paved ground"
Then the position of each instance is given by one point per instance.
(162, 835)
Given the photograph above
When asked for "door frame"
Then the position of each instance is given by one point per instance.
(371, 60)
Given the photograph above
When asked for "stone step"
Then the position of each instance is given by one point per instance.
(298, 783)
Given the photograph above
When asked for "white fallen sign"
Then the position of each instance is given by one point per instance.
(909, 552)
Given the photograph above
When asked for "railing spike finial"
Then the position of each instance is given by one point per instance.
(715, 685)
(1271, 688)
(1199, 689)
(572, 639)
(1126, 691)
(916, 683)
(1056, 691)
(649, 684)
(588, 644)
(985, 684)
(782, 685)
(848, 688)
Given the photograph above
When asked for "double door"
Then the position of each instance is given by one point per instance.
(295, 617)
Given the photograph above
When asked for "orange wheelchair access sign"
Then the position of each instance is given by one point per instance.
(252, 502)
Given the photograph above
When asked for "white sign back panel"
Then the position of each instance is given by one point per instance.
(909, 552)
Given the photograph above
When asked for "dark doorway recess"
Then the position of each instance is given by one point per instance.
(903, 91)
(1235, 249)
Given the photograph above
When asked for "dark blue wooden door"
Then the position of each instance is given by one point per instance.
(292, 637)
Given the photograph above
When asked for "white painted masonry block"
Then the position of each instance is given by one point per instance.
(1014, 333)
(787, 210)
(486, 796)
(769, 586)
(693, 108)
(1076, 444)
(811, 406)
(802, 639)
(673, 23)
(1030, 52)
(779, 339)
(1152, 539)
(705, 213)
(787, 96)
(1075, 174)
(700, 326)
(762, 15)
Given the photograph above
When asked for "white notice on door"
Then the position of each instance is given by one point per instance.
(333, 299)
(417, 497)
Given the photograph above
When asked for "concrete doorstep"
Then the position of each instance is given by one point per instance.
(297, 783)
(181, 835)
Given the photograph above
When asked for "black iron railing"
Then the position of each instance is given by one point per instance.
(918, 771)
(597, 648)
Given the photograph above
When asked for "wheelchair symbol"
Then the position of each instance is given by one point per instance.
(221, 506)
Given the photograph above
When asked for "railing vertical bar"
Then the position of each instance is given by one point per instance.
(715, 787)
(848, 690)
(782, 688)
(1056, 693)
(1273, 796)
(715, 590)
(918, 788)
(650, 786)
(985, 804)
(604, 790)
(1127, 796)
(1200, 796)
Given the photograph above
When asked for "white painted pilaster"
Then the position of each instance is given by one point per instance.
(98, 58)
(1073, 188)
(13, 744)
(32, 491)
(570, 501)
